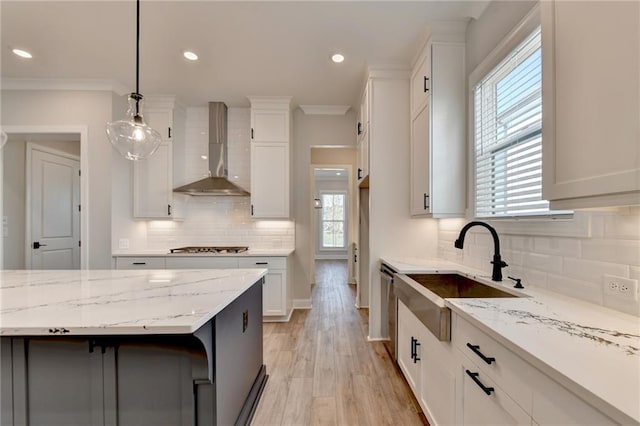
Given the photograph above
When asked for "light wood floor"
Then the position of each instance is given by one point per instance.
(322, 370)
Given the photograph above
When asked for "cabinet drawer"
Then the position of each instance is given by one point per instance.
(202, 262)
(485, 403)
(508, 370)
(140, 263)
(263, 262)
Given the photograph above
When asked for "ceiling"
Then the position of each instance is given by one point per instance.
(258, 48)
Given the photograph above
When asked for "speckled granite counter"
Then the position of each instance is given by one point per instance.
(592, 350)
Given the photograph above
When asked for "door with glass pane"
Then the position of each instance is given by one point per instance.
(333, 221)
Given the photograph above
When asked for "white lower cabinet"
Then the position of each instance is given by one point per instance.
(274, 298)
(275, 292)
(474, 380)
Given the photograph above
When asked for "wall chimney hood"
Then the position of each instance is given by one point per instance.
(217, 182)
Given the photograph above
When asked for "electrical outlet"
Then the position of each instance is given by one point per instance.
(624, 288)
(123, 243)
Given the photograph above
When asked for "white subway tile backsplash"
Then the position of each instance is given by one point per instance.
(616, 251)
(566, 261)
(591, 270)
(591, 292)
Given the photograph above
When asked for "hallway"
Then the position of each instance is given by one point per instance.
(322, 369)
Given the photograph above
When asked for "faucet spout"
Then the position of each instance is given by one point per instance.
(497, 262)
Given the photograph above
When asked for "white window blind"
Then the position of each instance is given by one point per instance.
(508, 135)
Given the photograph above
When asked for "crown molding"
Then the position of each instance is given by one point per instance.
(325, 109)
(64, 84)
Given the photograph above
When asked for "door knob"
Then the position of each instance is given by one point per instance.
(37, 245)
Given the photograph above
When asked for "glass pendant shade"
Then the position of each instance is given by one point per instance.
(132, 137)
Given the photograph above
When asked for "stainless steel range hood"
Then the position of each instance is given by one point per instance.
(217, 183)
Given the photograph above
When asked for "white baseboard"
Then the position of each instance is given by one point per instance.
(376, 339)
(276, 318)
(301, 303)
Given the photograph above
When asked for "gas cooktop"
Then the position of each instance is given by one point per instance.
(209, 249)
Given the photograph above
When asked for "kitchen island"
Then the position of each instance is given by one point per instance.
(130, 347)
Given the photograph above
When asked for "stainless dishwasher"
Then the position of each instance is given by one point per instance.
(388, 295)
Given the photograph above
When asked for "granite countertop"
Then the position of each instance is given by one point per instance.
(592, 350)
(110, 302)
(280, 252)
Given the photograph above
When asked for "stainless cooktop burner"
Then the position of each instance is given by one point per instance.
(214, 250)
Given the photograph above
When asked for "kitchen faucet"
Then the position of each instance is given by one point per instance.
(497, 262)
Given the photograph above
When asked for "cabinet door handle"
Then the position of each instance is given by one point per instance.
(245, 320)
(252, 133)
(476, 350)
(168, 209)
(474, 377)
(425, 203)
(251, 209)
(426, 79)
(139, 263)
(359, 173)
(413, 349)
(359, 128)
(262, 263)
(169, 132)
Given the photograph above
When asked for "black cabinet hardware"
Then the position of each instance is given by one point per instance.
(359, 128)
(139, 263)
(262, 263)
(426, 79)
(414, 349)
(245, 320)
(474, 376)
(169, 132)
(425, 202)
(37, 245)
(476, 350)
(252, 133)
(518, 282)
(251, 209)
(359, 173)
(168, 209)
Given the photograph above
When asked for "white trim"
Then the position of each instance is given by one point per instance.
(579, 226)
(302, 303)
(325, 109)
(64, 84)
(278, 318)
(83, 131)
(389, 72)
(332, 256)
(376, 339)
(521, 31)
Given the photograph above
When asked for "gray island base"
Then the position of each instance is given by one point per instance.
(212, 376)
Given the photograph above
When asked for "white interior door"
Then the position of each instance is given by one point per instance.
(54, 212)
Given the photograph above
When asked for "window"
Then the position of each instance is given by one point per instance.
(333, 220)
(508, 135)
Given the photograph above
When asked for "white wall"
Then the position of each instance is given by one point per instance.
(311, 131)
(569, 257)
(75, 108)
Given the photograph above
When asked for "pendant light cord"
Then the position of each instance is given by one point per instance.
(137, 56)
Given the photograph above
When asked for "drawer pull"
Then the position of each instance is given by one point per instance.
(476, 350)
(139, 263)
(262, 263)
(474, 377)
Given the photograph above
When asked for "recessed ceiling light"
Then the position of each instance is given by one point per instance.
(338, 173)
(190, 55)
(337, 58)
(22, 53)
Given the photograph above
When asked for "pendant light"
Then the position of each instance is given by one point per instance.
(132, 137)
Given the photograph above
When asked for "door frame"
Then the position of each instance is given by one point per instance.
(34, 146)
(313, 228)
(83, 132)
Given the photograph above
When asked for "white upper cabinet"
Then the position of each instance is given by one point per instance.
(153, 178)
(438, 156)
(270, 157)
(591, 103)
(362, 131)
